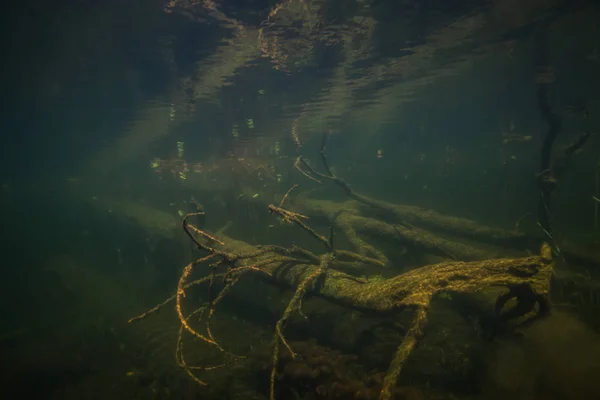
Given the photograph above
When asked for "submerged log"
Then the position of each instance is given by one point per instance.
(357, 223)
(527, 280)
(414, 288)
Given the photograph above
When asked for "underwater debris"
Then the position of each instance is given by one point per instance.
(528, 280)
(226, 261)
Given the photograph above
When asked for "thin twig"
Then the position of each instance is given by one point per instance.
(286, 195)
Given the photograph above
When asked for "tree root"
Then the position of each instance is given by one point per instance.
(528, 280)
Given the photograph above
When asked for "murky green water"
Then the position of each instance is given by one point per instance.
(359, 190)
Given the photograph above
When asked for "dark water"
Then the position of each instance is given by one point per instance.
(467, 132)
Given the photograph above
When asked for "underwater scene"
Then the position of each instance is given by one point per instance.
(300, 199)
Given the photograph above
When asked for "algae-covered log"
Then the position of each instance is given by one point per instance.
(415, 288)
(350, 219)
(404, 214)
(528, 280)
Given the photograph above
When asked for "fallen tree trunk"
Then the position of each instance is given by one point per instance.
(410, 215)
(527, 279)
(411, 289)
(355, 224)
